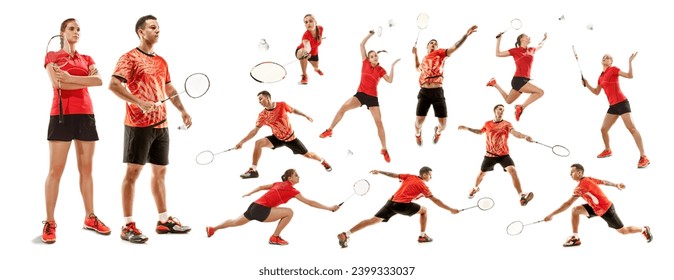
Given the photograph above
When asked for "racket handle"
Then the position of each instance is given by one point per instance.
(499, 35)
(341, 204)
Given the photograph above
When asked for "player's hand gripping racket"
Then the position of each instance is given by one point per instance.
(484, 204)
(360, 187)
(582, 78)
(422, 23)
(515, 24)
(57, 54)
(207, 157)
(517, 227)
(558, 150)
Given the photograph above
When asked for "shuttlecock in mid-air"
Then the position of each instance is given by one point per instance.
(263, 46)
(562, 17)
(589, 26)
(391, 23)
(349, 153)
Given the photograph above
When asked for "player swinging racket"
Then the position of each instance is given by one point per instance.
(598, 205)
(412, 187)
(619, 106)
(524, 58)
(431, 77)
(265, 209)
(275, 115)
(307, 51)
(371, 73)
(498, 152)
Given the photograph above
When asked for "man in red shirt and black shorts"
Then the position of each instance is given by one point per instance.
(412, 188)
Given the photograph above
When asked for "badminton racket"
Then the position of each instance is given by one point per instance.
(360, 187)
(515, 24)
(578, 62)
(196, 85)
(517, 227)
(207, 156)
(57, 55)
(558, 150)
(484, 204)
(422, 23)
(269, 72)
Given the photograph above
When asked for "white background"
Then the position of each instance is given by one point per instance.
(222, 42)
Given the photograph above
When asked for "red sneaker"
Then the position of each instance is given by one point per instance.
(326, 133)
(49, 232)
(607, 153)
(419, 140)
(387, 158)
(132, 234)
(643, 162)
(326, 165)
(319, 72)
(436, 136)
(343, 240)
(491, 82)
(647, 234)
(425, 239)
(93, 223)
(572, 241)
(172, 225)
(518, 112)
(305, 80)
(277, 240)
(210, 231)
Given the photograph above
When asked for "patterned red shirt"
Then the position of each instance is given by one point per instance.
(432, 67)
(497, 137)
(524, 58)
(608, 81)
(588, 189)
(75, 101)
(369, 78)
(279, 193)
(412, 188)
(277, 119)
(146, 77)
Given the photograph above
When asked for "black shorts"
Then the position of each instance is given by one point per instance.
(391, 208)
(311, 58)
(620, 108)
(431, 96)
(257, 212)
(146, 144)
(74, 127)
(611, 217)
(489, 162)
(367, 100)
(518, 82)
(296, 145)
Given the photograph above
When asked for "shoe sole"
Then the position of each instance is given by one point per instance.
(644, 165)
(134, 242)
(97, 231)
(529, 197)
(572, 245)
(169, 231)
(48, 241)
(274, 243)
(604, 156)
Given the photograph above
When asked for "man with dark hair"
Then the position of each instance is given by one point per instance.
(498, 152)
(598, 205)
(413, 187)
(275, 115)
(146, 135)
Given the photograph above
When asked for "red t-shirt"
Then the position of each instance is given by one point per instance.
(76, 101)
(369, 78)
(279, 193)
(312, 41)
(608, 81)
(497, 137)
(277, 119)
(412, 187)
(588, 189)
(524, 58)
(432, 67)
(146, 77)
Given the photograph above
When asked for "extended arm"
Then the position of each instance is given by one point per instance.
(540, 45)
(442, 205)
(416, 58)
(619, 186)
(363, 52)
(390, 174)
(462, 40)
(500, 53)
(316, 204)
(520, 135)
(476, 131)
(561, 208)
(297, 112)
(389, 77)
(250, 135)
(263, 187)
(629, 71)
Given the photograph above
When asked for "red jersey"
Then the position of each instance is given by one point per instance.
(146, 76)
(524, 58)
(279, 193)
(497, 137)
(277, 119)
(432, 67)
(75, 101)
(312, 41)
(608, 81)
(369, 78)
(412, 187)
(588, 189)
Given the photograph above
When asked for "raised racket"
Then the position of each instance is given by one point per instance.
(57, 55)
(484, 204)
(517, 227)
(360, 187)
(208, 156)
(515, 24)
(578, 62)
(422, 23)
(558, 150)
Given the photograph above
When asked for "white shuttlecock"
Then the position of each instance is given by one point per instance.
(562, 17)
(391, 23)
(263, 46)
(182, 127)
(589, 26)
(349, 153)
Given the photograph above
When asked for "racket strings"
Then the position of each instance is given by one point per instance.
(196, 85)
(485, 203)
(361, 187)
(515, 228)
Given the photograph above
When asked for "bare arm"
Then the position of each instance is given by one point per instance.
(389, 77)
(540, 45)
(316, 204)
(500, 53)
(118, 88)
(629, 72)
(593, 90)
(619, 186)
(561, 208)
(476, 131)
(460, 42)
(363, 52)
(442, 205)
(250, 135)
(260, 188)
(520, 135)
(307, 46)
(187, 119)
(390, 174)
(416, 58)
(297, 112)
(73, 82)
